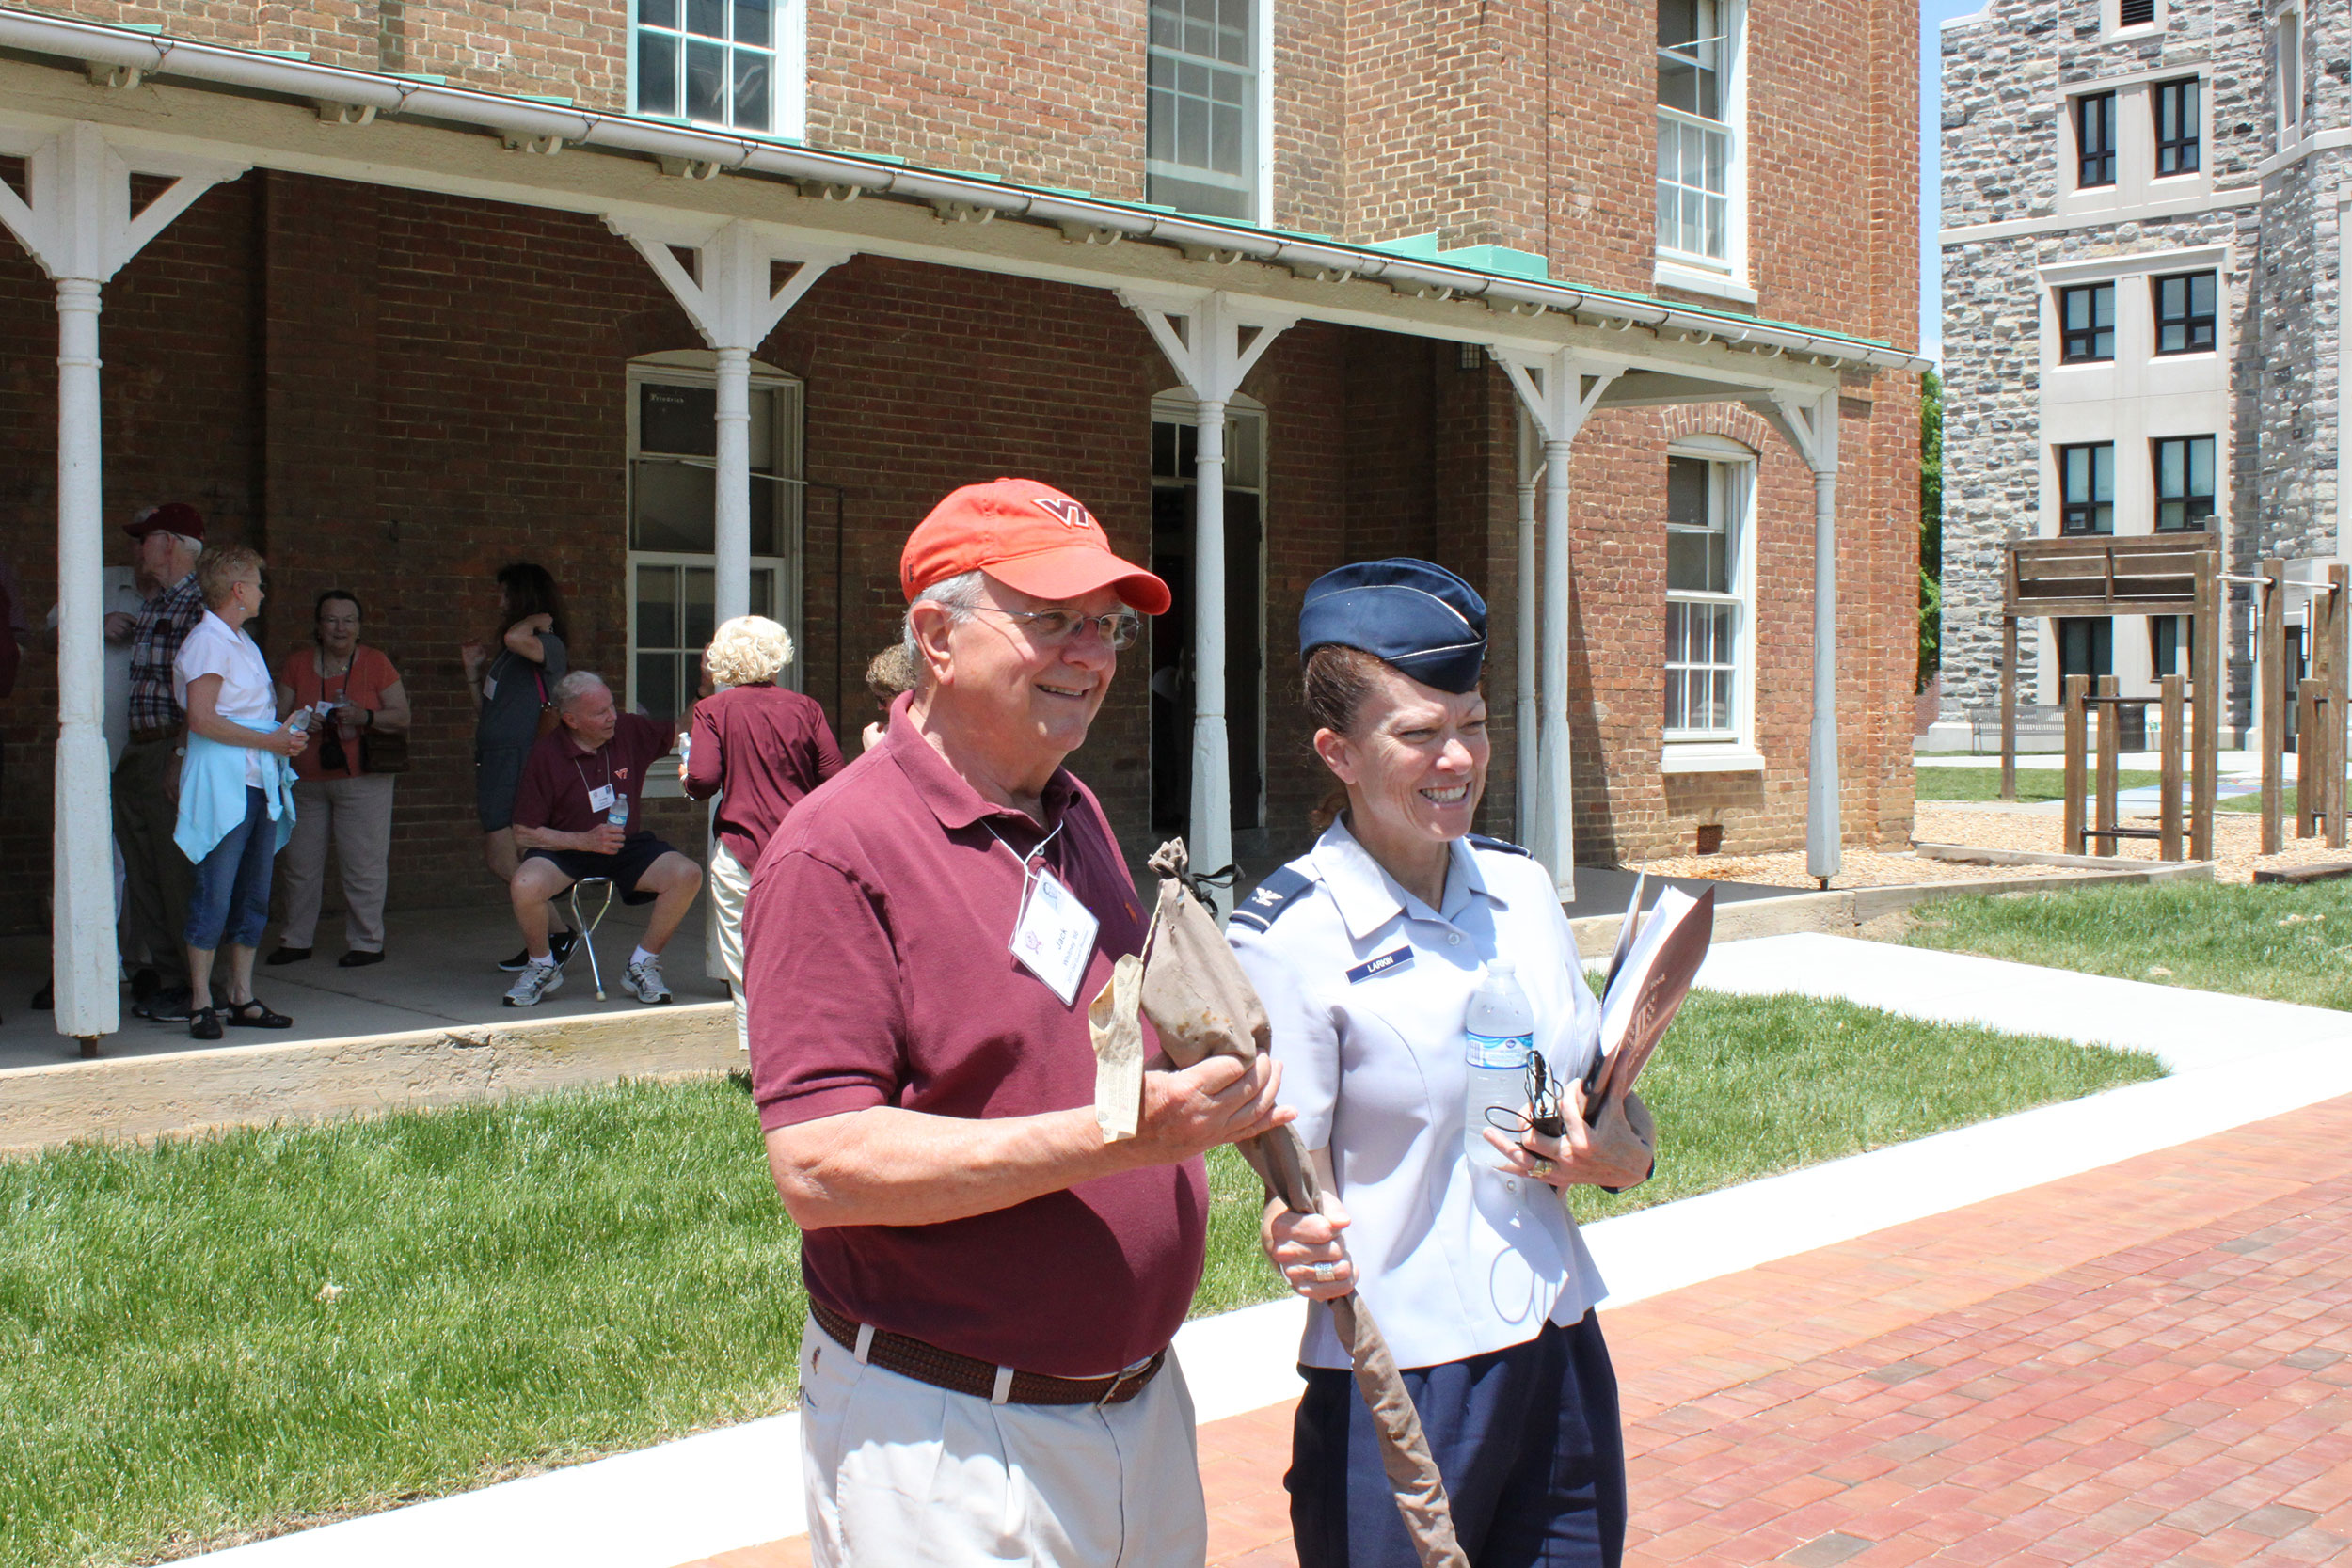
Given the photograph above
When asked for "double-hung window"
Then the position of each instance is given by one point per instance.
(1707, 599)
(2180, 126)
(1204, 111)
(2187, 310)
(673, 501)
(2094, 140)
(712, 62)
(2183, 466)
(2087, 323)
(1698, 142)
(2086, 488)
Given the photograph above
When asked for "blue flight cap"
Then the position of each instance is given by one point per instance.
(1415, 615)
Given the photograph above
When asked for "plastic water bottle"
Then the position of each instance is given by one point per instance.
(618, 816)
(1497, 1034)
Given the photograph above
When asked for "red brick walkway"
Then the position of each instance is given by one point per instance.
(2148, 1363)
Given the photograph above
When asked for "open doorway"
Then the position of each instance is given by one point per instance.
(1174, 479)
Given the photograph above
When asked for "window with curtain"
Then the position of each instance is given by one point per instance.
(1697, 143)
(1708, 598)
(673, 502)
(1202, 107)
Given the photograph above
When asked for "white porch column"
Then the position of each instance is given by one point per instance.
(1552, 388)
(1810, 424)
(79, 227)
(1211, 341)
(730, 300)
(1529, 722)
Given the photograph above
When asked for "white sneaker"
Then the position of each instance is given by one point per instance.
(539, 979)
(644, 982)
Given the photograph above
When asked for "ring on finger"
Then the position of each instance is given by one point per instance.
(1326, 1272)
(1544, 1168)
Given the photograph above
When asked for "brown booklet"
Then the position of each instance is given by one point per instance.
(1650, 972)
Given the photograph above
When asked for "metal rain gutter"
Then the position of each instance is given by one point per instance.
(551, 126)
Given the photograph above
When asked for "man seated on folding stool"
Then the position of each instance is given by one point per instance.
(578, 815)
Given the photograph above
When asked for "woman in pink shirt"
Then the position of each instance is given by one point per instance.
(759, 747)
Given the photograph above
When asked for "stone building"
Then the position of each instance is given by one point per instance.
(2141, 260)
(701, 303)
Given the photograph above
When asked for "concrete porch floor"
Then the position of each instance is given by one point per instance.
(436, 970)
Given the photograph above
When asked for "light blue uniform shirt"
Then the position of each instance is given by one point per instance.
(1368, 990)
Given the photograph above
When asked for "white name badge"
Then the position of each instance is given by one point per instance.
(601, 798)
(489, 687)
(1055, 936)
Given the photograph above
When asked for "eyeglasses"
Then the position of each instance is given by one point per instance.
(1053, 628)
(1543, 1105)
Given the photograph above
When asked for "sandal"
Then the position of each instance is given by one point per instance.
(255, 1015)
(204, 1023)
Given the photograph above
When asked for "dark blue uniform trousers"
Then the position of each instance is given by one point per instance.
(1527, 1438)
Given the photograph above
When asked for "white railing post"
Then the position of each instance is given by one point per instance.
(1203, 338)
(1807, 419)
(79, 226)
(1528, 721)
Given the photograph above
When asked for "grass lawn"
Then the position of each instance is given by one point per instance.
(249, 1332)
(2254, 803)
(2033, 784)
(2287, 943)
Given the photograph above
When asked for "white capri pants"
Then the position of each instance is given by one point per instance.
(730, 885)
(901, 1474)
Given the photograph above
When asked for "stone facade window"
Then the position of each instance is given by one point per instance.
(2086, 488)
(2087, 647)
(1698, 159)
(2186, 312)
(2287, 70)
(711, 62)
(2094, 140)
(2180, 142)
(2184, 483)
(673, 457)
(1204, 107)
(2087, 323)
(1706, 598)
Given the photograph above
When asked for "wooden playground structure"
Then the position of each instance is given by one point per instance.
(2180, 574)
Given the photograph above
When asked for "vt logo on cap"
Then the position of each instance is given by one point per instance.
(1027, 537)
(1068, 513)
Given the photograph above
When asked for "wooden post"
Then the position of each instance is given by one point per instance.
(2110, 748)
(2310, 761)
(2205, 745)
(2270, 690)
(2337, 603)
(2169, 847)
(2008, 704)
(2077, 687)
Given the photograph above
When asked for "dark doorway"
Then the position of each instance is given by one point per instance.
(1174, 473)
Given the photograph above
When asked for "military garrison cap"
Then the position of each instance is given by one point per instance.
(1415, 615)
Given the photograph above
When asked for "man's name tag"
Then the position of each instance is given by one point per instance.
(1055, 936)
(489, 687)
(601, 798)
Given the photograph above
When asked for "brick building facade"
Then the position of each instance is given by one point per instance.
(400, 340)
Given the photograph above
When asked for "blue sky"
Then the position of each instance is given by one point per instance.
(1932, 13)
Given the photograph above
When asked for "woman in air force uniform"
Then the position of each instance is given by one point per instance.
(1367, 951)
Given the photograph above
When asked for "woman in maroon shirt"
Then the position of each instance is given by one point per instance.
(759, 747)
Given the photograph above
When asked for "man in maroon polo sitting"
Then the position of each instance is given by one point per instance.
(578, 814)
(991, 1288)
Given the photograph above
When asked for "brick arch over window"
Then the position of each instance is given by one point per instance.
(1720, 418)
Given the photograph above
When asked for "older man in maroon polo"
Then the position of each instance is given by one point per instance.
(992, 1287)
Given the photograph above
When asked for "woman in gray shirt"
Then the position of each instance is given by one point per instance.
(511, 686)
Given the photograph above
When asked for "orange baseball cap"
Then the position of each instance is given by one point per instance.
(1029, 537)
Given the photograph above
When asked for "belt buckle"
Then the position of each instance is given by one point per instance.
(1136, 1373)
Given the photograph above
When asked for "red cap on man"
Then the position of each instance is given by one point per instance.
(172, 518)
(1027, 537)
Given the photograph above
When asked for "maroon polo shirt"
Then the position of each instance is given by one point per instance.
(879, 971)
(766, 748)
(557, 777)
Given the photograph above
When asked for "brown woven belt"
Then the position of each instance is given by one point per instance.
(964, 1374)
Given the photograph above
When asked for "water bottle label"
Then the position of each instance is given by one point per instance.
(1505, 1052)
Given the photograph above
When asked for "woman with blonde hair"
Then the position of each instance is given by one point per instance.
(759, 747)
